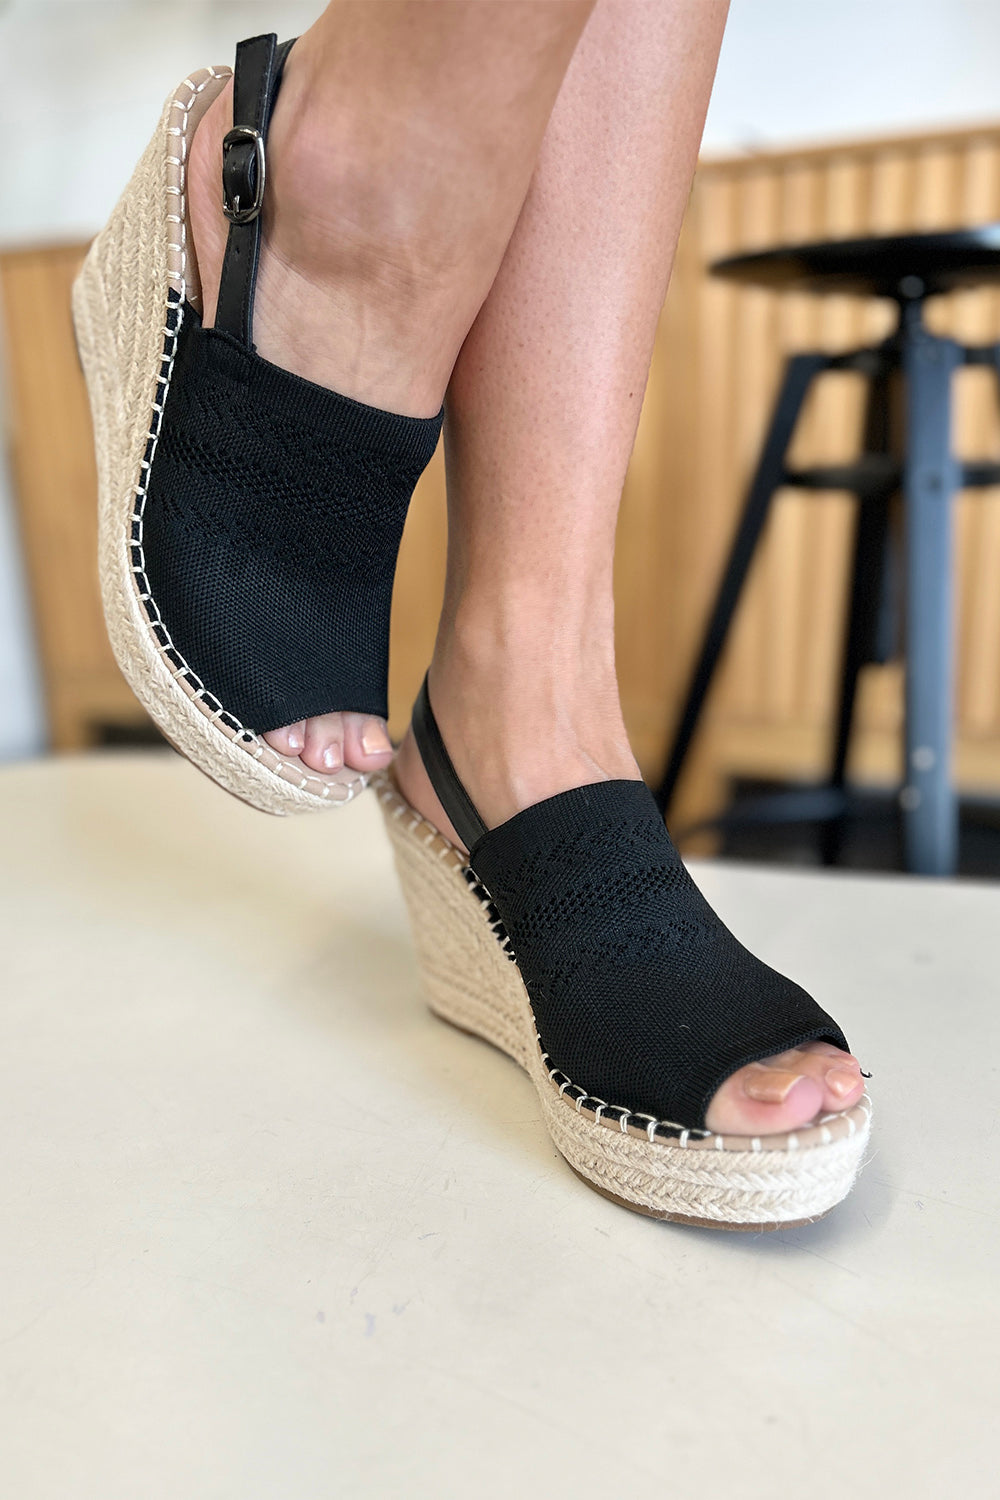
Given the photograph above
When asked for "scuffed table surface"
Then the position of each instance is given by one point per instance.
(270, 1230)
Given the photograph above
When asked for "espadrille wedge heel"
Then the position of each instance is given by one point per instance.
(557, 940)
(249, 520)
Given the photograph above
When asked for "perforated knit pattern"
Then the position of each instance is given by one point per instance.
(271, 528)
(639, 991)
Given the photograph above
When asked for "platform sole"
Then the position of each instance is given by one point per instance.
(128, 305)
(651, 1166)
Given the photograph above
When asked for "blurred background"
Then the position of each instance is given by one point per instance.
(830, 119)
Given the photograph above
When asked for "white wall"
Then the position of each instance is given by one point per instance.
(816, 70)
(83, 81)
(108, 65)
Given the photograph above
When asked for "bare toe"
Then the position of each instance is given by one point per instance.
(837, 1073)
(289, 740)
(843, 1083)
(367, 746)
(787, 1091)
(324, 748)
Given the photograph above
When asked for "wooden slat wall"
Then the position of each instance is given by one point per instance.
(719, 352)
(48, 428)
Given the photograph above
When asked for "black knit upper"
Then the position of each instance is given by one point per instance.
(270, 531)
(640, 994)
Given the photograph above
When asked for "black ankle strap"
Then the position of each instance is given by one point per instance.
(444, 778)
(256, 76)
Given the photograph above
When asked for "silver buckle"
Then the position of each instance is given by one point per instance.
(234, 203)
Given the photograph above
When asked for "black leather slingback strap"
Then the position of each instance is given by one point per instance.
(256, 76)
(444, 778)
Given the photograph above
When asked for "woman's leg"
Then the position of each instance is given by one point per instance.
(403, 141)
(541, 416)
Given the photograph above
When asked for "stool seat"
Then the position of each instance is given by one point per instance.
(904, 266)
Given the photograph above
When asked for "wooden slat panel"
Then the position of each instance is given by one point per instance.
(973, 318)
(53, 465)
(757, 368)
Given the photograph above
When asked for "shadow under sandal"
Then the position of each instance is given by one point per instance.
(573, 938)
(249, 520)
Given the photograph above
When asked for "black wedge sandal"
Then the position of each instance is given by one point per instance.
(249, 520)
(573, 938)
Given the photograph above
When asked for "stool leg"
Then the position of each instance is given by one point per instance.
(930, 821)
(799, 373)
(867, 575)
(867, 583)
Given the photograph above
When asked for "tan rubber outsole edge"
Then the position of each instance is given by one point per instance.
(724, 1182)
(127, 309)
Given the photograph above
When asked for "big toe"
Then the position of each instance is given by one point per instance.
(367, 746)
(787, 1091)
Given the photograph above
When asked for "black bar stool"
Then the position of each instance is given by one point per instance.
(906, 451)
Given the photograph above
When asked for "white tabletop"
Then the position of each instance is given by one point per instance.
(270, 1230)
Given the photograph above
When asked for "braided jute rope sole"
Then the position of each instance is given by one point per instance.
(128, 304)
(652, 1166)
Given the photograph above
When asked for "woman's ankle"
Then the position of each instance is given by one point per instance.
(518, 729)
(340, 299)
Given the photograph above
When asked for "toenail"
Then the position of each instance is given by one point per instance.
(333, 758)
(769, 1085)
(841, 1081)
(295, 740)
(374, 740)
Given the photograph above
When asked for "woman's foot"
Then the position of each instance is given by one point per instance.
(331, 268)
(369, 349)
(398, 158)
(289, 304)
(520, 731)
